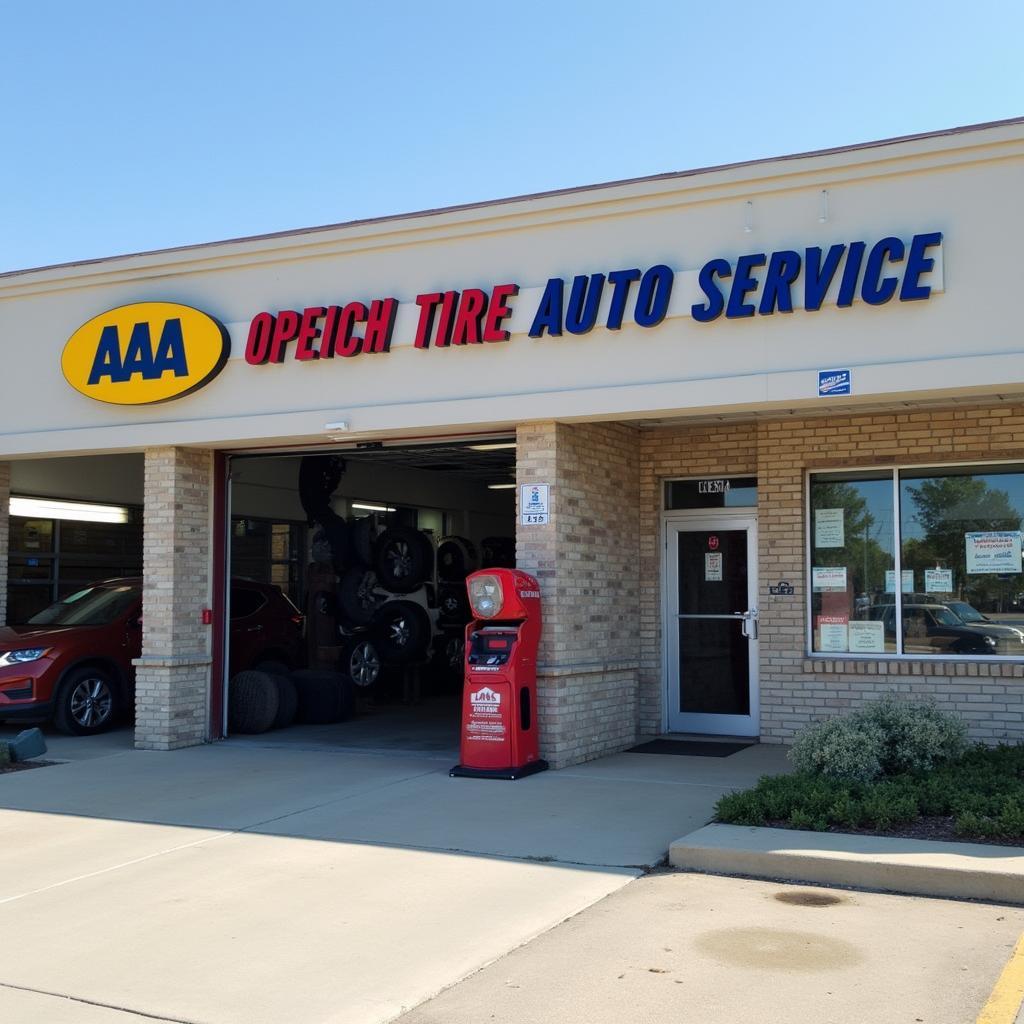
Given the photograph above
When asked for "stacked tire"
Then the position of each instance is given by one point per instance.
(261, 700)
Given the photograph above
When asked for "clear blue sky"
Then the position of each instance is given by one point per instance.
(138, 125)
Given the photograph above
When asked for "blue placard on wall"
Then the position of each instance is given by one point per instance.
(834, 382)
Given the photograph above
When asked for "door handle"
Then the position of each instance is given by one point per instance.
(749, 623)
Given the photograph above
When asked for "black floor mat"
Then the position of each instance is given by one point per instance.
(690, 748)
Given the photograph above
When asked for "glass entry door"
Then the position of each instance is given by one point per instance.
(711, 625)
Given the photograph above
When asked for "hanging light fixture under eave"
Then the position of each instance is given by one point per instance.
(50, 508)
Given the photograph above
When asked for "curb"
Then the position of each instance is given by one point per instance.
(913, 866)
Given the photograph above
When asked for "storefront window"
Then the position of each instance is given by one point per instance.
(960, 586)
(960, 531)
(852, 562)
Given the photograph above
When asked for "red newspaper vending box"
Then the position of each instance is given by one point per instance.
(499, 694)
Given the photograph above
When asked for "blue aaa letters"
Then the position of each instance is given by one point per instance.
(139, 356)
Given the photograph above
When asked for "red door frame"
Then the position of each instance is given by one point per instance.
(219, 588)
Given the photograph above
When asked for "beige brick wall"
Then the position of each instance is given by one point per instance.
(5, 535)
(796, 689)
(172, 684)
(586, 559)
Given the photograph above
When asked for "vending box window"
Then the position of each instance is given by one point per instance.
(499, 719)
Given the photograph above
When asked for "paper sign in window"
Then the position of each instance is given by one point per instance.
(828, 528)
(827, 578)
(867, 637)
(994, 552)
(713, 566)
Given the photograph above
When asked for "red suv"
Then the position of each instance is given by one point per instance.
(73, 661)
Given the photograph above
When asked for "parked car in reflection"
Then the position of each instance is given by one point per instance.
(937, 629)
(72, 662)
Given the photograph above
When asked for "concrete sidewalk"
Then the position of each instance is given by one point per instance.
(677, 948)
(235, 883)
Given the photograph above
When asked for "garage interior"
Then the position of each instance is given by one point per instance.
(371, 543)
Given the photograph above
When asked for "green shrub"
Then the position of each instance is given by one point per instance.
(916, 735)
(839, 748)
(885, 737)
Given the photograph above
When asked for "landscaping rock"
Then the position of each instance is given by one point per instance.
(27, 744)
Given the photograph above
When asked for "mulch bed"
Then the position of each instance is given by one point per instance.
(938, 829)
(24, 766)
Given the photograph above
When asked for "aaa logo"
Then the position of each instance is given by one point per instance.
(145, 352)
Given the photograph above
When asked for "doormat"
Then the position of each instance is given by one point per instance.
(690, 748)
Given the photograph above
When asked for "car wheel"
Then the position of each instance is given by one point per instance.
(402, 632)
(361, 660)
(324, 697)
(401, 559)
(456, 559)
(253, 702)
(87, 702)
(358, 597)
(287, 701)
(453, 604)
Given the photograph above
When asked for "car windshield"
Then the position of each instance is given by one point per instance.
(944, 617)
(93, 606)
(966, 612)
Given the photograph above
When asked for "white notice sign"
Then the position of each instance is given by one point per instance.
(713, 566)
(832, 633)
(996, 552)
(828, 528)
(533, 504)
(906, 579)
(938, 581)
(867, 637)
(827, 578)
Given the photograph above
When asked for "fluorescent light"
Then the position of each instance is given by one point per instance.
(47, 508)
(338, 428)
(497, 446)
(500, 487)
(374, 508)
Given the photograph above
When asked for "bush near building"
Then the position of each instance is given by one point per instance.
(891, 767)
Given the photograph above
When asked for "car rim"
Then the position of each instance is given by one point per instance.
(399, 632)
(364, 665)
(401, 562)
(91, 703)
(365, 594)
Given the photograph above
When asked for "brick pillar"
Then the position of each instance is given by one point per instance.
(172, 679)
(587, 561)
(5, 534)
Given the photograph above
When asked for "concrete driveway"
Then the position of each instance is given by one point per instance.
(235, 882)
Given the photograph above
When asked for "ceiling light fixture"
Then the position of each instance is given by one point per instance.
(49, 508)
(500, 487)
(374, 508)
(497, 446)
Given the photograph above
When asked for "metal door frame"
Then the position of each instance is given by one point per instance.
(705, 520)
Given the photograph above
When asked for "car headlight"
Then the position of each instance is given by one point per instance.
(25, 654)
(485, 596)
(991, 641)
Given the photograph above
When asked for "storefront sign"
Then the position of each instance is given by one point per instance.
(995, 552)
(155, 351)
(533, 504)
(144, 353)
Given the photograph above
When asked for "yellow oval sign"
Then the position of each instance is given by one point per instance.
(145, 352)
